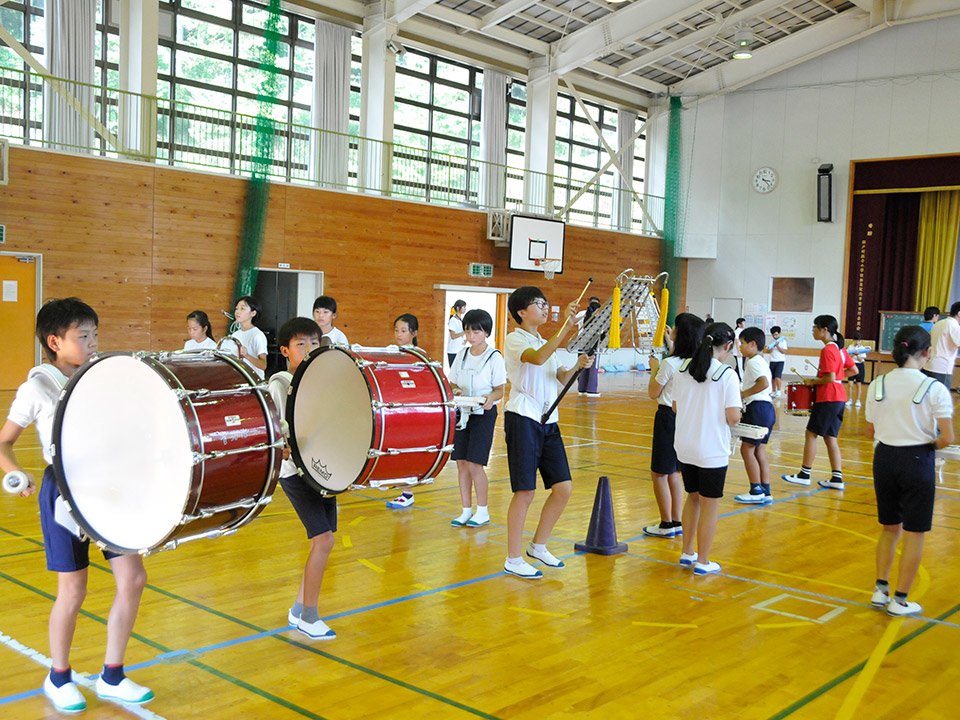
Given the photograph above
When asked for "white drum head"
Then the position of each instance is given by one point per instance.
(332, 420)
(126, 453)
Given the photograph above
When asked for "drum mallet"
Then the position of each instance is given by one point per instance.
(815, 367)
(16, 481)
(584, 291)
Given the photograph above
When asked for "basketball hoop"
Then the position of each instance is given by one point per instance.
(549, 266)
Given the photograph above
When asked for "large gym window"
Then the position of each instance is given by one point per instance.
(436, 128)
(209, 68)
(21, 103)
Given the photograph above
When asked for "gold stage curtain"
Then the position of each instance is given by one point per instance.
(937, 247)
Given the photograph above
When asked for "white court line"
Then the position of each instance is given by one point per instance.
(79, 678)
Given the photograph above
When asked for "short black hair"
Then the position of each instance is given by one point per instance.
(478, 320)
(413, 325)
(775, 329)
(929, 312)
(295, 327)
(741, 320)
(754, 335)
(253, 304)
(58, 316)
(201, 318)
(955, 309)
(459, 304)
(325, 302)
(521, 298)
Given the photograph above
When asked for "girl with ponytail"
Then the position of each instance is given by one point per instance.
(706, 399)
(826, 416)
(910, 415)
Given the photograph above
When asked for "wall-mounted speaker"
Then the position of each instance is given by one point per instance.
(825, 193)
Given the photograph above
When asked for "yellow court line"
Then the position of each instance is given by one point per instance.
(853, 698)
(859, 591)
(777, 626)
(367, 563)
(825, 524)
(356, 521)
(347, 542)
(539, 612)
(664, 625)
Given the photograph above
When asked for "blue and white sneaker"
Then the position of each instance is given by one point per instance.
(403, 500)
(688, 560)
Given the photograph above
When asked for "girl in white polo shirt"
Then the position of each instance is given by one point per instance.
(686, 334)
(909, 415)
(706, 399)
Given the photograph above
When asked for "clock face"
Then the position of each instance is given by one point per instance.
(764, 180)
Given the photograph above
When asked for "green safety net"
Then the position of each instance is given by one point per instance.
(258, 188)
(672, 206)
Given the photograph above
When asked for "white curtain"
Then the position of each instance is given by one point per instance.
(493, 139)
(67, 114)
(623, 198)
(331, 103)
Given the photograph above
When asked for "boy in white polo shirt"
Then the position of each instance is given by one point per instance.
(534, 442)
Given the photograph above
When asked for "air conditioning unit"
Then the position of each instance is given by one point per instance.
(498, 226)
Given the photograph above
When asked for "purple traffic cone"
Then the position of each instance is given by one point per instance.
(602, 533)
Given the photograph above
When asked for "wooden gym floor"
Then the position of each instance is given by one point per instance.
(428, 625)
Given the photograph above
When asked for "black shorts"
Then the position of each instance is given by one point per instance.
(944, 378)
(533, 446)
(473, 443)
(904, 479)
(706, 481)
(317, 513)
(861, 373)
(663, 457)
(826, 418)
(776, 369)
(762, 413)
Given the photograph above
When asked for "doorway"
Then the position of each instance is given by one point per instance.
(476, 300)
(284, 294)
(20, 274)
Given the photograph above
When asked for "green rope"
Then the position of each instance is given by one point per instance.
(258, 188)
(672, 202)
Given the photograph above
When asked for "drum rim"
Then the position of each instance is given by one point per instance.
(60, 473)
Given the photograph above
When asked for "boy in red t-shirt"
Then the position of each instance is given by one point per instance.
(826, 417)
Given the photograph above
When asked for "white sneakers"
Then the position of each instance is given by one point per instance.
(126, 691)
(709, 568)
(900, 609)
(317, 630)
(66, 698)
(521, 569)
(796, 479)
(688, 560)
(543, 555)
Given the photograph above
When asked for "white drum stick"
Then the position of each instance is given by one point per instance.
(815, 367)
(468, 401)
(751, 432)
(796, 372)
(16, 481)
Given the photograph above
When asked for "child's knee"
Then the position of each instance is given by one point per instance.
(563, 490)
(323, 542)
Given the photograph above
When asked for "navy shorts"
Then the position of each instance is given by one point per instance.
(317, 513)
(861, 373)
(762, 413)
(663, 458)
(944, 378)
(473, 443)
(776, 369)
(706, 481)
(533, 446)
(65, 551)
(826, 418)
(904, 479)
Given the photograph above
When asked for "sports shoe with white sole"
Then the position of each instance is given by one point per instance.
(292, 619)
(796, 479)
(403, 500)
(522, 569)
(752, 498)
(67, 698)
(316, 630)
(688, 560)
(658, 531)
(831, 484)
(880, 599)
(899, 608)
(544, 556)
(709, 568)
(126, 691)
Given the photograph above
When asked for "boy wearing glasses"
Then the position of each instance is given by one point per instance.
(534, 371)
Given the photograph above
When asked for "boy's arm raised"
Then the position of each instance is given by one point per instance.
(541, 355)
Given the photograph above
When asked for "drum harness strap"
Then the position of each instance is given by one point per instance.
(716, 375)
(49, 372)
(918, 396)
(488, 353)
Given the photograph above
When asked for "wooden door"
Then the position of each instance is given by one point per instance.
(18, 313)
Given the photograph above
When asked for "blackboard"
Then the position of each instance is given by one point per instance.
(891, 322)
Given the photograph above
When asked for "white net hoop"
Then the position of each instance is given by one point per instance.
(549, 266)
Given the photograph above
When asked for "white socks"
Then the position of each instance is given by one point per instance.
(463, 516)
(481, 515)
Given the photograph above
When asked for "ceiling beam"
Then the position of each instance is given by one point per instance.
(699, 35)
(610, 33)
(505, 11)
(406, 9)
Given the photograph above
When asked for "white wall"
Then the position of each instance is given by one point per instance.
(895, 93)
